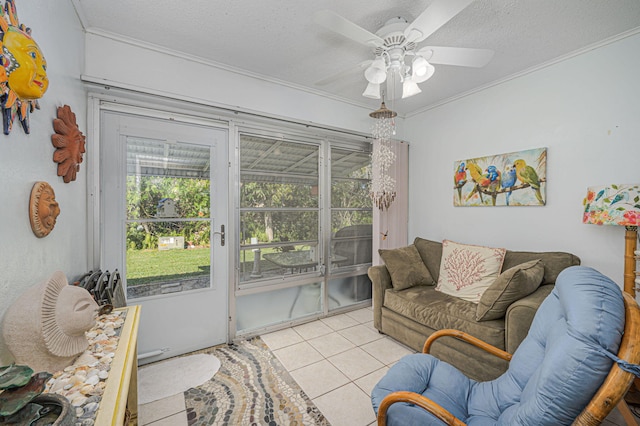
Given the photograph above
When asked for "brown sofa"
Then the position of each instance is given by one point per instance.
(410, 315)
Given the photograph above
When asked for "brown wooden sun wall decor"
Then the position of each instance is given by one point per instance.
(69, 142)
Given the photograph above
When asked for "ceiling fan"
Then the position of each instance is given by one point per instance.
(397, 42)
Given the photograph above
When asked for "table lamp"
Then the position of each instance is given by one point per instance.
(617, 205)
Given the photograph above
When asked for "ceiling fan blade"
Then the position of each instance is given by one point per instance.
(459, 56)
(341, 25)
(434, 16)
(343, 73)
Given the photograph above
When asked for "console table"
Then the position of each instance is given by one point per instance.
(120, 399)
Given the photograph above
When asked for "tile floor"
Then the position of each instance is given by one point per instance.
(336, 361)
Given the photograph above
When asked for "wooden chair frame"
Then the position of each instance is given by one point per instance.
(610, 393)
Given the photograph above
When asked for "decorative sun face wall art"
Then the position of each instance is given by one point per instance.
(43, 209)
(513, 179)
(23, 75)
(69, 142)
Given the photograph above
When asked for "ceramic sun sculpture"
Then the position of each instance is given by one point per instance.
(23, 74)
(69, 142)
(43, 209)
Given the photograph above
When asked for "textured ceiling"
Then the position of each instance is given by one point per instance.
(278, 39)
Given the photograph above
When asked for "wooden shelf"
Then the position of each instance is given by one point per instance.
(120, 399)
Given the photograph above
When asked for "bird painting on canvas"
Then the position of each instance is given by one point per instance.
(520, 176)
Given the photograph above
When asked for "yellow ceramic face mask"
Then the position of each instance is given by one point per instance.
(27, 71)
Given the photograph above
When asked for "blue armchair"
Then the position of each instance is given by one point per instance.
(576, 364)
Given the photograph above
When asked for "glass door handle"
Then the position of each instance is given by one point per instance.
(221, 233)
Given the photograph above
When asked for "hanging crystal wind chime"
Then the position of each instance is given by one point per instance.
(383, 186)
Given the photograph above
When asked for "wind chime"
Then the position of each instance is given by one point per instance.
(383, 186)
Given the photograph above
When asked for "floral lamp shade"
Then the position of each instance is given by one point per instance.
(612, 205)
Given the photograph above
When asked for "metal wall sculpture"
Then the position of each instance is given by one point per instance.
(23, 75)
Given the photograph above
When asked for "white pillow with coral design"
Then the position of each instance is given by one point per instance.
(466, 271)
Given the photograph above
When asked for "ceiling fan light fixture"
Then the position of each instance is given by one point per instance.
(421, 70)
(376, 72)
(409, 88)
(372, 91)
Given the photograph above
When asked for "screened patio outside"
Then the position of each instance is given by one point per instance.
(305, 216)
(305, 225)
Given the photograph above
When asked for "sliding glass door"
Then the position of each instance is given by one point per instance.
(304, 221)
(351, 227)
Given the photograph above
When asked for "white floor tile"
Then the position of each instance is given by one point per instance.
(386, 350)
(280, 339)
(339, 384)
(298, 355)
(331, 344)
(313, 329)
(160, 409)
(367, 382)
(360, 334)
(370, 325)
(319, 378)
(179, 419)
(338, 322)
(355, 363)
(346, 406)
(361, 315)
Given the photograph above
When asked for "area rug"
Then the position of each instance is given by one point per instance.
(165, 378)
(251, 388)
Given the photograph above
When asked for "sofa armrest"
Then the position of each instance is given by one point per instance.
(380, 281)
(520, 315)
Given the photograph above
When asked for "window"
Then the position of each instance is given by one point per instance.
(279, 208)
(305, 222)
(168, 222)
(351, 227)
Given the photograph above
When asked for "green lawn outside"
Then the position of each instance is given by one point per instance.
(147, 266)
(144, 266)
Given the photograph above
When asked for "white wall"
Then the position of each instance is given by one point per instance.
(24, 159)
(128, 64)
(585, 110)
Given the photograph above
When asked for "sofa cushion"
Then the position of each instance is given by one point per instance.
(511, 285)
(466, 270)
(437, 310)
(431, 254)
(405, 267)
(554, 262)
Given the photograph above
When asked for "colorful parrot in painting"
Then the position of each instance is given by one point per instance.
(460, 178)
(528, 175)
(491, 178)
(476, 175)
(508, 180)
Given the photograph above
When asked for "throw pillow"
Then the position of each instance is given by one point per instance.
(405, 267)
(511, 285)
(466, 271)
(431, 254)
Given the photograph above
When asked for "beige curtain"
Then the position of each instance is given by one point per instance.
(390, 225)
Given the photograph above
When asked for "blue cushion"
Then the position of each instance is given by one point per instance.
(552, 376)
(426, 375)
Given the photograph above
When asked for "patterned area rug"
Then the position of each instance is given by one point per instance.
(251, 388)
